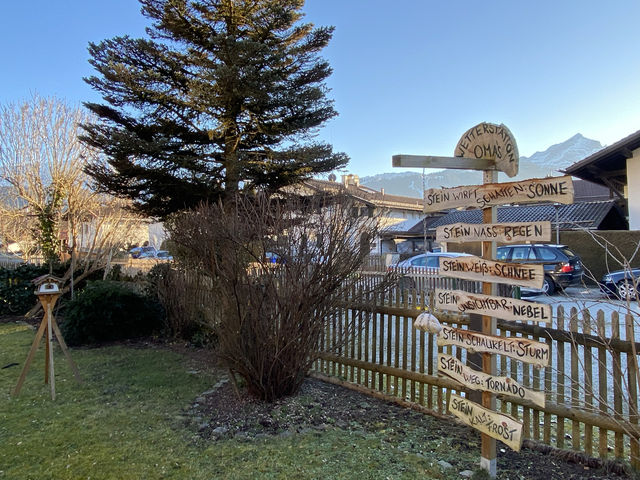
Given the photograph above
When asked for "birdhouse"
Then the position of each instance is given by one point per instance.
(48, 285)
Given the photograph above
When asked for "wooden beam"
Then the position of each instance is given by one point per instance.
(622, 172)
(495, 425)
(483, 270)
(476, 380)
(30, 355)
(429, 161)
(505, 308)
(516, 232)
(626, 153)
(534, 190)
(615, 173)
(617, 189)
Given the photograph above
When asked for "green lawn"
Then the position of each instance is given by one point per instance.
(126, 422)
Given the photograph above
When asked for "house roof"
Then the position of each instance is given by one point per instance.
(608, 166)
(403, 226)
(582, 215)
(584, 191)
(368, 195)
(47, 278)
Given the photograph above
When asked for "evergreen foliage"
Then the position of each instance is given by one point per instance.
(46, 232)
(106, 311)
(223, 95)
(17, 289)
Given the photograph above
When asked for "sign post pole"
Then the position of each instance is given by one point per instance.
(487, 325)
(488, 457)
(490, 148)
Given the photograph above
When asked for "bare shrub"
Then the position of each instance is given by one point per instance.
(281, 270)
(187, 298)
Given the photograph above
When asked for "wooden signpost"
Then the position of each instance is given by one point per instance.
(490, 148)
(490, 141)
(500, 232)
(520, 348)
(48, 292)
(496, 425)
(486, 146)
(476, 380)
(480, 269)
(551, 189)
(506, 308)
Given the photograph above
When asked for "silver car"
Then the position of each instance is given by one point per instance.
(411, 269)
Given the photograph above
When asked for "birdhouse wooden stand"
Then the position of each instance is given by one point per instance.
(48, 292)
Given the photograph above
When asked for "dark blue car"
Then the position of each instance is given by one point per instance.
(562, 267)
(622, 284)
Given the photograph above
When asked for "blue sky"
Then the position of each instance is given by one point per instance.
(410, 76)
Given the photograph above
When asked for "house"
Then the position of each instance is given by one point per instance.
(393, 210)
(600, 215)
(616, 167)
(593, 209)
(410, 236)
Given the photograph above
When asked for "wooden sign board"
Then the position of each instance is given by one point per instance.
(520, 348)
(496, 425)
(490, 141)
(477, 380)
(535, 190)
(432, 161)
(499, 232)
(499, 307)
(482, 270)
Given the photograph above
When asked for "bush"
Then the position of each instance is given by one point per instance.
(186, 298)
(106, 311)
(17, 289)
(269, 318)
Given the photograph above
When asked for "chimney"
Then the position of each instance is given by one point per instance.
(382, 191)
(351, 179)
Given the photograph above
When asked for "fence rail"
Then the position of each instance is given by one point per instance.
(10, 264)
(591, 385)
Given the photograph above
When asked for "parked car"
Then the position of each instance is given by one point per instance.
(271, 257)
(143, 252)
(622, 284)
(163, 255)
(562, 267)
(420, 264)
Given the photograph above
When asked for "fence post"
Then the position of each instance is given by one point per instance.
(632, 372)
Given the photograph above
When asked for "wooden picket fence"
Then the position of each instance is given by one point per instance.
(9, 263)
(591, 387)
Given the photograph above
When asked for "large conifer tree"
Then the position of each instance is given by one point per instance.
(223, 95)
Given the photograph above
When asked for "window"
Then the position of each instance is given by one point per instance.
(502, 253)
(568, 252)
(433, 262)
(522, 253)
(419, 262)
(547, 254)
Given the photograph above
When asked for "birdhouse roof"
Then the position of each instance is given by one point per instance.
(47, 279)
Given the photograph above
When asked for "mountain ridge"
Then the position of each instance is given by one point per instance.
(549, 162)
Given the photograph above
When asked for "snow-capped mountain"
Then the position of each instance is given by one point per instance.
(540, 164)
(560, 156)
